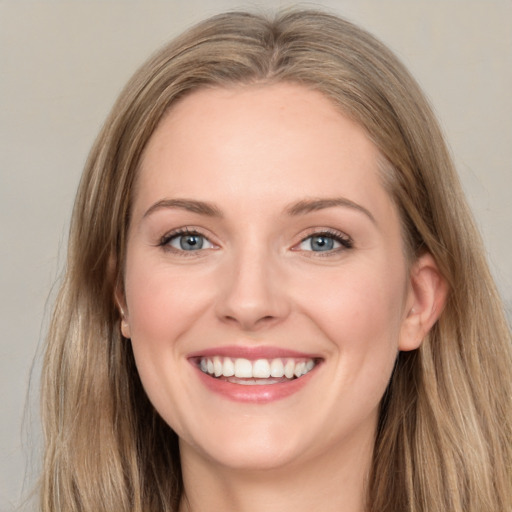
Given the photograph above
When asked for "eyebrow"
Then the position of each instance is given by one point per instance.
(191, 205)
(299, 208)
(313, 205)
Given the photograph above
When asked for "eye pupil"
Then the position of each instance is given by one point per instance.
(191, 242)
(322, 243)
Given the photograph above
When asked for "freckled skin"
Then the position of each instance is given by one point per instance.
(253, 151)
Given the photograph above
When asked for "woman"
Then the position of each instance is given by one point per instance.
(275, 296)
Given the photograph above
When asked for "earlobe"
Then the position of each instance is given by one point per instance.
(121, 306)
(125, 326)
(428, 291)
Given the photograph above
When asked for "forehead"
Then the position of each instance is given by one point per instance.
(259, 143)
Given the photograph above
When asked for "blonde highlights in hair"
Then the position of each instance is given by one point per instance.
(444, 437)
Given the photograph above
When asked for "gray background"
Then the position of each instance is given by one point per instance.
(62, 63)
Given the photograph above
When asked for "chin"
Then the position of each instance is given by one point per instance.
(252, 449)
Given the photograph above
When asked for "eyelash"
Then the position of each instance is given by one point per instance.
(344, 240)
(164, 242)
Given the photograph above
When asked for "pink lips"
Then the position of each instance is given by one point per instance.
(261, 393)
(252, 353)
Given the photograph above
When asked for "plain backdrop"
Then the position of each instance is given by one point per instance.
(62, 64)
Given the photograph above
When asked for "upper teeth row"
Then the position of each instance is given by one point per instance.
(259, 369)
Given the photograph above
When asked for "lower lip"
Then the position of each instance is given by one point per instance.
(257, 393)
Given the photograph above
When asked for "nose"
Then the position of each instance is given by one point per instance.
(253, 294)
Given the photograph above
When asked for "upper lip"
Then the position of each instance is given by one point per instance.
(252, 352)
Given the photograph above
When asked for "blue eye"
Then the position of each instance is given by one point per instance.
(325, 242)
(187, 242)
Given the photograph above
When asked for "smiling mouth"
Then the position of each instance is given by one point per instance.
(258, 372)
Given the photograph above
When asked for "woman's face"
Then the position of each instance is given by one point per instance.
(263, 246)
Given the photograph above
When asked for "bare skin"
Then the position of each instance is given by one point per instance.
(260, 224)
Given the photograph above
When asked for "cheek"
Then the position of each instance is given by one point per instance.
(162, 305)
(148, 301)
(151, 323)
(161, 302)
(354, 304)
(360, 312)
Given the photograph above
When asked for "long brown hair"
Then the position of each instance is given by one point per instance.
(444, 436)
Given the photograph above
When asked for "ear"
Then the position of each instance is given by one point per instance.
(120, 301)
(426, 298)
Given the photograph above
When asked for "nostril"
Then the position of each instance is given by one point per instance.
(257, 320)
(247, 322)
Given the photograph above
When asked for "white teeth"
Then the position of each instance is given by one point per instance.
(217, 366)
(289, 369)
(243, 368)
(277, 368)
(300, 369)
(228, 369)
(261, 371)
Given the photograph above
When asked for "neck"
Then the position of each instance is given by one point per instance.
(333, 482)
